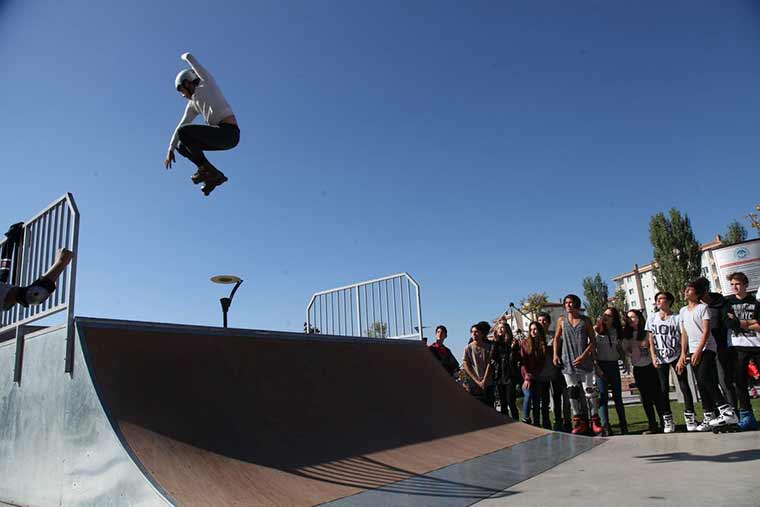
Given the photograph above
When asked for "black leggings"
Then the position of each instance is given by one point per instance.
(507, 400)
(195, 139)
(726, 363)
(649, 390)
(683, 382)
(741, 358)
(707, 382)
(559, 398)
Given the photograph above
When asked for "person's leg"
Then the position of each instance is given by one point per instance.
(512, 402)
(741, 359)
(575, 394)
(602, 385)
(663, 374)
(707, 382)
(543, 390)
(726, 375)
(683, 384)
(616, 386)
(536, 403)
(195, 139)
(645, 396)
(527, 400)
(557, 389)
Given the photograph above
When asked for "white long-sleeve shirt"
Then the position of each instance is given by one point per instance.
(207, 100)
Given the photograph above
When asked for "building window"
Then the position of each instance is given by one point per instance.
(630, 291)
(634, 304)
(705, 271)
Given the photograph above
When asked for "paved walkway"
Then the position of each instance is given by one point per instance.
(679, 469)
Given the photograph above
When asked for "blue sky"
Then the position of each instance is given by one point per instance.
(490, 149)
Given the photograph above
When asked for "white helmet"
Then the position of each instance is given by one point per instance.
(185, 75)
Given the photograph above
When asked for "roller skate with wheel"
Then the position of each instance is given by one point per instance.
(668, 425)
(727, 420)
(691, 421)
(596, 425)
(705, 424)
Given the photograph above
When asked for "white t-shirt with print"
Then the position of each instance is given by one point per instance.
(667, 336)
(692, 321)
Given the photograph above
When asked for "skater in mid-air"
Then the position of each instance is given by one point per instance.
(221, 131)
(40, 290)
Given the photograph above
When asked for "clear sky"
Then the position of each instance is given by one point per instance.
(491, 149)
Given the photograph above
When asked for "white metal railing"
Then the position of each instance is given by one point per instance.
(55, 227)
(388, 307)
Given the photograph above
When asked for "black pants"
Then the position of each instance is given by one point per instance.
(741, 358)
(507, 400)
(542, 399)
(484, 396)
(649, 390)
(725, 364)
(560, 399)
(195, 139)
(707, 382)
(683, 382)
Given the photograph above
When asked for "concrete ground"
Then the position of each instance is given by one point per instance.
(679, 469)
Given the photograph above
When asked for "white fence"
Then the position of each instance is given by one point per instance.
(388, 307)
(55, 227)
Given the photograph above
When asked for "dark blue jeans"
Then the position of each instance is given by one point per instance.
(610, 381)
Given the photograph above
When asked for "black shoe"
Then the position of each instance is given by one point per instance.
(212, 183)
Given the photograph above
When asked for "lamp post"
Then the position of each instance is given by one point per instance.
(226, 302)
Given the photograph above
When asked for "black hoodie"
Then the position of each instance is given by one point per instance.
(717, 307)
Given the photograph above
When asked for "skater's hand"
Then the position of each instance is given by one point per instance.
(169, 159)
(580, 360)
(656, 362)
(696, 357)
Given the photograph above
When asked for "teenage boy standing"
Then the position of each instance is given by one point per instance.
(743, 320)
(664, 328)
(574, 340)
(699, 348)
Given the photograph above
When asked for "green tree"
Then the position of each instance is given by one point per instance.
(736, 233)
(534, 303)
(676, 253)
(620, 301)
(596, 292)
(378, 330)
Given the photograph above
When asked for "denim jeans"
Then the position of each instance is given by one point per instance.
(610, 381)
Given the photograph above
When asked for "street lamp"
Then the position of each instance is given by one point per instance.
(226, 302)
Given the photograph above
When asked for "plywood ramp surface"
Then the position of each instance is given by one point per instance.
(283, 419)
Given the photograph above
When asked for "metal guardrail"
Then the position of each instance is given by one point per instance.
(388, 307)
(55, 227)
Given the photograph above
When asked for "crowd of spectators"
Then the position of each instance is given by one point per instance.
(567, 372)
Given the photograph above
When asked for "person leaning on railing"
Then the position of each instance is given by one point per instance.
(41, 289)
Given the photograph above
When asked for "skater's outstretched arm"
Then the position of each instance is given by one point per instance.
(42, 288)
(187, 117)
(199, 69)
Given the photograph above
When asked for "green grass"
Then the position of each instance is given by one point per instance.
(637, 419)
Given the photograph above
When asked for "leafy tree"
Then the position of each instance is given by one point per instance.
(620, 301)
(378, 330)
(736, 233)
(596, 292)
(754, 221)
(676, 253)
(534, 303)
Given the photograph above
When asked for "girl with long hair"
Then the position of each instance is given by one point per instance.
(609, 350)
(535, 390)
(636, 343)
(505, 347)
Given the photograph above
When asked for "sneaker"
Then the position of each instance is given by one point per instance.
(596, 425)
(668, 426)
(579, 425)
(727, 415)
(705, 424)
(747, 421)
(691, 421)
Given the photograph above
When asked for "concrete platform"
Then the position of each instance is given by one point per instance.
(678, 469)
